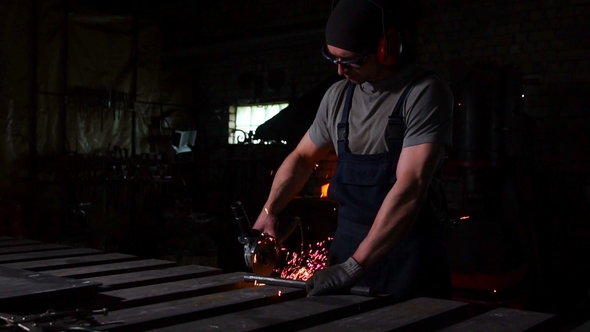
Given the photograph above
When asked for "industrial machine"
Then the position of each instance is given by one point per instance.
(487, 238)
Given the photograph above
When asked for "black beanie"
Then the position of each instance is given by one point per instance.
(355, 26)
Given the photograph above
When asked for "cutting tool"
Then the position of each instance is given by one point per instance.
(261, 251)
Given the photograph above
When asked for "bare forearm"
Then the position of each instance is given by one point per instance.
(289, 180)
(402, 204)
(392, 224)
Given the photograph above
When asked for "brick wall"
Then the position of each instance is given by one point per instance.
(548, 40)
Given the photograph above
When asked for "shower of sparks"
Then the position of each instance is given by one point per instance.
(301, 266)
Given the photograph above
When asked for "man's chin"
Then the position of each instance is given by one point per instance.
(352, 80)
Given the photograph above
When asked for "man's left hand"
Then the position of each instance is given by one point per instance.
(335, 277)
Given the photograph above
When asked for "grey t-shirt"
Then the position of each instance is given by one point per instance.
(428, 113)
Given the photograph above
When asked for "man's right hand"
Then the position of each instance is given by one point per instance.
(267, 223)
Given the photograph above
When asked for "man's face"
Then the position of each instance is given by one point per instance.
(366, 71)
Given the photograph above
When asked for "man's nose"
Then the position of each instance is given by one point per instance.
(341, 69)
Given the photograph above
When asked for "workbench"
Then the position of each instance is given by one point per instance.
(159, 295)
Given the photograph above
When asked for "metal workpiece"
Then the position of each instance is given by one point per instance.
(275, 281)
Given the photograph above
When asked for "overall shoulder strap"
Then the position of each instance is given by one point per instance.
(396, 126)
(343, 125)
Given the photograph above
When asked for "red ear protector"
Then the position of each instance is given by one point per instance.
(390, 48)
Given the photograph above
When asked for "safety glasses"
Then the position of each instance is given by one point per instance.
(352, 63)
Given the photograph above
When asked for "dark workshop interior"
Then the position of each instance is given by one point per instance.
(119, 122)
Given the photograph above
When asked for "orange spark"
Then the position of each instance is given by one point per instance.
(301, 266)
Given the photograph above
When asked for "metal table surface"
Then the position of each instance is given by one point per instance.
(159, 295)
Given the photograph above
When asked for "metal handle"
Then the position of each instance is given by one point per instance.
(242, 218)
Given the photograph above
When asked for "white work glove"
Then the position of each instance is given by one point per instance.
(335, 277)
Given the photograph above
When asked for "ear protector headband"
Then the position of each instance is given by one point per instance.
(390, 45)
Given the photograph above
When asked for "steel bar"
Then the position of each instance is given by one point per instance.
(274, 281)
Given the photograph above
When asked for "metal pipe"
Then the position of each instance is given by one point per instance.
(242, 218)
(64, 80)
(33, 86)
(134, 73)
(274, 281)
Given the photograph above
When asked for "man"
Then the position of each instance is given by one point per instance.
(389, 121)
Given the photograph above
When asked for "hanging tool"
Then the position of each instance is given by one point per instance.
(71, 320)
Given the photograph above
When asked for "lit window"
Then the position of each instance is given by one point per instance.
(243, 120)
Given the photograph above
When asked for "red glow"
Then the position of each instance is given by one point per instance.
(324, 190)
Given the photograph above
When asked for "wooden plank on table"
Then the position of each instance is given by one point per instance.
(582, 328)
(502, 320)
(32, 248)
(14, 243)
(19, 284)
(70, 262)
(114, 268)
(142, 278)
(181, 311)
(177, 289)
(419, 314)
(287, 316)
(32, 256)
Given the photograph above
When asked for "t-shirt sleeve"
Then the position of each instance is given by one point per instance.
(320, 129)
(429, 113)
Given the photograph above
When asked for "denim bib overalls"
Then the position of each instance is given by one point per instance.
(418, 265)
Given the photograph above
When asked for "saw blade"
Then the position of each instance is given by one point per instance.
(264, 256)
